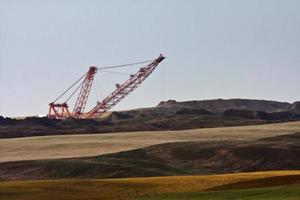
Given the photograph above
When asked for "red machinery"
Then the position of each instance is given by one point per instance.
(84, 92)
(60, 110)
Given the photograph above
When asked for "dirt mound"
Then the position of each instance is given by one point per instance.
(187, 111)
(295, 107)
(220, 105)
(6, 121)
(273, 116)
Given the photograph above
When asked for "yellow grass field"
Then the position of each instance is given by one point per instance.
(128, 188)
(67, 146)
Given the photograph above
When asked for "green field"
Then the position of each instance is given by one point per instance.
(272, 193)
(132, 188)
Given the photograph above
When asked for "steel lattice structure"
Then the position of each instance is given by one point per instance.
(60, 110)
(84, 92)
(124, 89)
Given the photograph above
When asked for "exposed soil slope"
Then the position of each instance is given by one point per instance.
(219, 105)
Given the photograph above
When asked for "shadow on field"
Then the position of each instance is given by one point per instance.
(260, 183)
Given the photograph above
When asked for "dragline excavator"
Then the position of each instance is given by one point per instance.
(61, 110)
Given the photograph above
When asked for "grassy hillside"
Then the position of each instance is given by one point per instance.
(273, 193)
(180, 158)
(68, 146)
(132, 188)
(263, 188)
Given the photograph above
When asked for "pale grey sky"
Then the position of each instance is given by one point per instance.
(214, 49)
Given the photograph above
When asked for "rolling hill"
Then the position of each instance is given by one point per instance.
(68, 146)
(179, 158)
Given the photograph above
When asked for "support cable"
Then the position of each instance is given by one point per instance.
(114, 72)
(126, 65)
(69, 88)
(98, 87)
(74, 92)
(101, 68)
(124, 89)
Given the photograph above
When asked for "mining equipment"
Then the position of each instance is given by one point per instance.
(61, 110)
